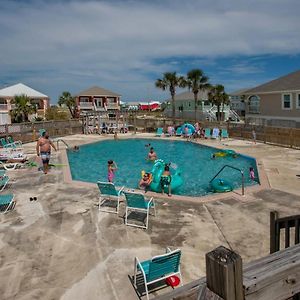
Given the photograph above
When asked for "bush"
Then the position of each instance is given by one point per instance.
(55, 113)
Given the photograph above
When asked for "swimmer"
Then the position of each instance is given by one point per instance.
(76, 148)
(152, 155)
(213, 156)
(147, 145)
(145, 182)
(165, 180)
(251, 173)
(111, 168)
(115, 135)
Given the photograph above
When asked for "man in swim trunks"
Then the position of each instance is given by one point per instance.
(152, 155)
(43, 149)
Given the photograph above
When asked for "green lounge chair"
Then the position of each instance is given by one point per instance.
(159, 131)
(41, 131)
(11, 141)
(224, 134)
(136, 202)
(109, 195)
(158, 268)
(178, 131)
(207, 134)
(7, 145)
(4, 179)
(7, 203)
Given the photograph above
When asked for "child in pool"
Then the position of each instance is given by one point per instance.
(251, 173)
(145, 182)
(111, 168)
(165, 180)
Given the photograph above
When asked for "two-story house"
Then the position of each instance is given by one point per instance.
(8, 94)
(97, 99)
(276, 102)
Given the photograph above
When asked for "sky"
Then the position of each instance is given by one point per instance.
(124, 46)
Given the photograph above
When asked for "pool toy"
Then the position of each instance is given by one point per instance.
(157, 171)
(189, 126)
(221, 185)
(224, 153)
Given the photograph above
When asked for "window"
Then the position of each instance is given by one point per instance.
(286, 101)
(254, 104)
(298, 101)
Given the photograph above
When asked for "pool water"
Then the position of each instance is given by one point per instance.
(194, 161)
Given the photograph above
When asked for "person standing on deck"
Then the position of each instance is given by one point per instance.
(43, 149)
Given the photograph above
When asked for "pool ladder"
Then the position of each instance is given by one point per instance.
(64, 142)
(242, 175)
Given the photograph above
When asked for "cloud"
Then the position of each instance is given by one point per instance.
(117, 44)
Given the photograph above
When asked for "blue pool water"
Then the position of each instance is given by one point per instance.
(90, 163)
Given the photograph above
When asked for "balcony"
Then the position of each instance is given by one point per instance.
(112, 106)
(86, 105)
(3, 106)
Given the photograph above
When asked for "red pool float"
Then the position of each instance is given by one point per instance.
(173, 281)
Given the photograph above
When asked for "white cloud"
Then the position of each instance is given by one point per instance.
(115, 44)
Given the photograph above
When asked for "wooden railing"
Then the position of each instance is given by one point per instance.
(274, 277)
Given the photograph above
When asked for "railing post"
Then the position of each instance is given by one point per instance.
(224, 275)
(243, 184)
(273, 233)
(134, 122)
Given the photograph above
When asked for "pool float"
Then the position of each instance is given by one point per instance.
(220, 154)
(189, 126)
(157, 171)
(224, 153)
(221, 185)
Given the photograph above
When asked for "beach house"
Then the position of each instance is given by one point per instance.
(275, 103)
(7, 95)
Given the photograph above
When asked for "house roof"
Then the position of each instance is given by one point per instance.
(239, 92)
(21, 89)
(97, 91)
(289, 82)
(185, 96)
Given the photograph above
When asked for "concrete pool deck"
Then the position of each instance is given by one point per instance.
(60, 247)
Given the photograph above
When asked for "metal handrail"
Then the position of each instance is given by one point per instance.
(61, 140)
(242, 173)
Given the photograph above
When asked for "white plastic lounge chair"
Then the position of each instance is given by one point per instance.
(10, 166)
(7, 203)
(215, 133)
(157, 268)
(136, 202)
(3, 182)
(109, 195)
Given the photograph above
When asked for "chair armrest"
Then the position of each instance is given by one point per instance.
(168, 249)
(120, 190)
(149, 202)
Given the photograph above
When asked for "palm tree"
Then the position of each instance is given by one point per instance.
(23, 108)
(218, 97)
(196, 81)
(69, 101)
(170, 81)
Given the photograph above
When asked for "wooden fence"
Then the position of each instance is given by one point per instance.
(28, 132)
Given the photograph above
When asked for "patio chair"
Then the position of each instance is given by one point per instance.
(136, 202)
(215, 133)
(4, 179)
(9, 166)
(207, 134)
(159, 131)
(11, 141)
(157, 268)
(7, 145)
(224, 134)
(41, 131)
(178, 131)
(7, 202)
(109, 195)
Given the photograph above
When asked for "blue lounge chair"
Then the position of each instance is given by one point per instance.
(215, 133)
(11, 141)
(108, 195)
(207, 134)
(178, 131)
(159, 131)
(41, 131)
(224, 134)
(7, 202)
(136, 202)
(158, 268)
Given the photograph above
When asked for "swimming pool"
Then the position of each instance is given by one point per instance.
(194, 161)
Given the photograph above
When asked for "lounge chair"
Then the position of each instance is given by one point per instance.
(215, 133)
(4, 179)
(7, 202)
(136, 202)
(207, 134)
(7, 145)
(178, 131)
(10, 166)
(157, 268)
(159, 131)
(41, 131)
(224, 134)
(17, 143)
(170, 131)
(108, 195)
